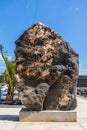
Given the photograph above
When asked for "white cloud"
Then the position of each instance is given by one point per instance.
(82, 70)
(1, 59)
(2, 68)
(9, 57)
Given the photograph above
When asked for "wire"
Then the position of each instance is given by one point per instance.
(36, 9)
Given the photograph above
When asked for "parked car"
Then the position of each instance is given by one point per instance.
(3, 96)
(3, 91)
(4, 87)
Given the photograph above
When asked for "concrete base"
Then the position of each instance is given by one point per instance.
(47, 116)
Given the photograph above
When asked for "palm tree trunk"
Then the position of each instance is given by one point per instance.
(9, 99)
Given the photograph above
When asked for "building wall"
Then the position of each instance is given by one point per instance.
(82, 81)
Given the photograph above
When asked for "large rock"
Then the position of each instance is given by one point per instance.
(47, 70)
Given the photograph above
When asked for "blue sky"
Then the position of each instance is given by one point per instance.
(67, 17)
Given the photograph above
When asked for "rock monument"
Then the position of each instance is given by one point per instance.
(47, 70)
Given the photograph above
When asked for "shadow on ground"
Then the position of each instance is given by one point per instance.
(9, 117)
(10, 106)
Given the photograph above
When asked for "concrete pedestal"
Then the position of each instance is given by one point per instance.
(47, 116)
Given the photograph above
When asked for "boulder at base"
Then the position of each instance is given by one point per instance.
(47, 70)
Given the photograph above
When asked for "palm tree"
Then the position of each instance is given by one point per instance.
(9, 74)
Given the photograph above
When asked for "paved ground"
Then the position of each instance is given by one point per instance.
(9, 120)
(82, 112)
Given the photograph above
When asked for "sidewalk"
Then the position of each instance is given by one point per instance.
(9, 120)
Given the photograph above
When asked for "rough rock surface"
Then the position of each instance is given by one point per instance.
(47, 70)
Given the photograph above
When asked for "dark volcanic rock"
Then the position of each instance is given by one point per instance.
(47, 70)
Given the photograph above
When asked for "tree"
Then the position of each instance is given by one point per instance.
(9, 74)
